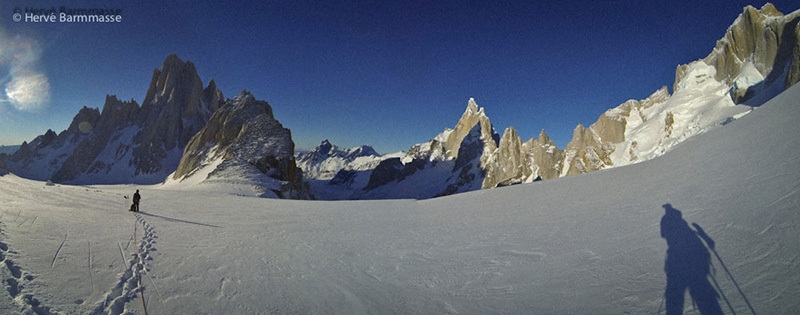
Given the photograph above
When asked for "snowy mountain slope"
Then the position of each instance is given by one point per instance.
(659, 123)
(451, 162)
(327, 159)
(41, 158)
(754, 61)
(125, 143)
(584, 244)
(243, 145)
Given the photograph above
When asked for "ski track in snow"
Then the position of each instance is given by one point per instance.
(53, 264)
(129, 287)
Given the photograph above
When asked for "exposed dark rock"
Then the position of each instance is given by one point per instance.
(244, 135)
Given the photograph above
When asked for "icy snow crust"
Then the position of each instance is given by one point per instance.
(525, 249)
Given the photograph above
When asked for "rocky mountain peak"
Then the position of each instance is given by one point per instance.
(246, 102)
(84, 121)
(247, 140)
(762, 40)
(175, 108)
(116, 114)
(325, 147)
(546, 157)
(472, 116)
(175, 83)
(363, 150)
(472, 107)
(509, 164)
(212, 96)
(543, 137)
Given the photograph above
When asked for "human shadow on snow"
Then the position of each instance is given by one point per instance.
(687, 265)
(179, 220)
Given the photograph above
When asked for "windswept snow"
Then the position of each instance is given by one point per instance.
(585, 244)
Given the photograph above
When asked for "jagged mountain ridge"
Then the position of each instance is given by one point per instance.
(243, 144)
(175, 108)
(125, 142)
(470, 156)
(179, 126)
(327, 159)
(758, 57)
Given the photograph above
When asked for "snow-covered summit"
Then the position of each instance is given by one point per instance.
(590, 244)
(327, 159)
(758, 58)
(755, 60)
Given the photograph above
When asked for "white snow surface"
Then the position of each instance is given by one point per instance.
(585, 244)
(698, 104)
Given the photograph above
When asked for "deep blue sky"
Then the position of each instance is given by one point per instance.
(385, 73)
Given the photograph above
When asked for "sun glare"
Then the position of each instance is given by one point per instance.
(24, 87)
(28, 92)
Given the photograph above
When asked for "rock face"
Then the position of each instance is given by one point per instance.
(592, 148)
(117, 115)
(758, 58)
(44, 156)
(175, 108)
(468, 157)
(547, 156)
(755, 61)
(472, 143)
(125, 143)
(179, 127)
(759, 49)
(244, 143)
(3, 168)
(473, 116)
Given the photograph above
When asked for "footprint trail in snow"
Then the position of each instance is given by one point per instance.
(131, 281)
(15, 279)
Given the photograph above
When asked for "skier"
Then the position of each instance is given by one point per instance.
(136, 198)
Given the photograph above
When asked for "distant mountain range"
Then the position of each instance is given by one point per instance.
(185, 134)
(758, 58)
(179, 126)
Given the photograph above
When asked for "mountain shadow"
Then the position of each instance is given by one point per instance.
(687, 266)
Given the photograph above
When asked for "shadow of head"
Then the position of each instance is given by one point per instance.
(668, 209)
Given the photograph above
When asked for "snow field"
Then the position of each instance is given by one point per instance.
(585, 244)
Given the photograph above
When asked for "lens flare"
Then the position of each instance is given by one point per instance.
(25, 87)
(28, 92)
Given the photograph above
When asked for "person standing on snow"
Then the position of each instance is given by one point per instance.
(136, 198)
